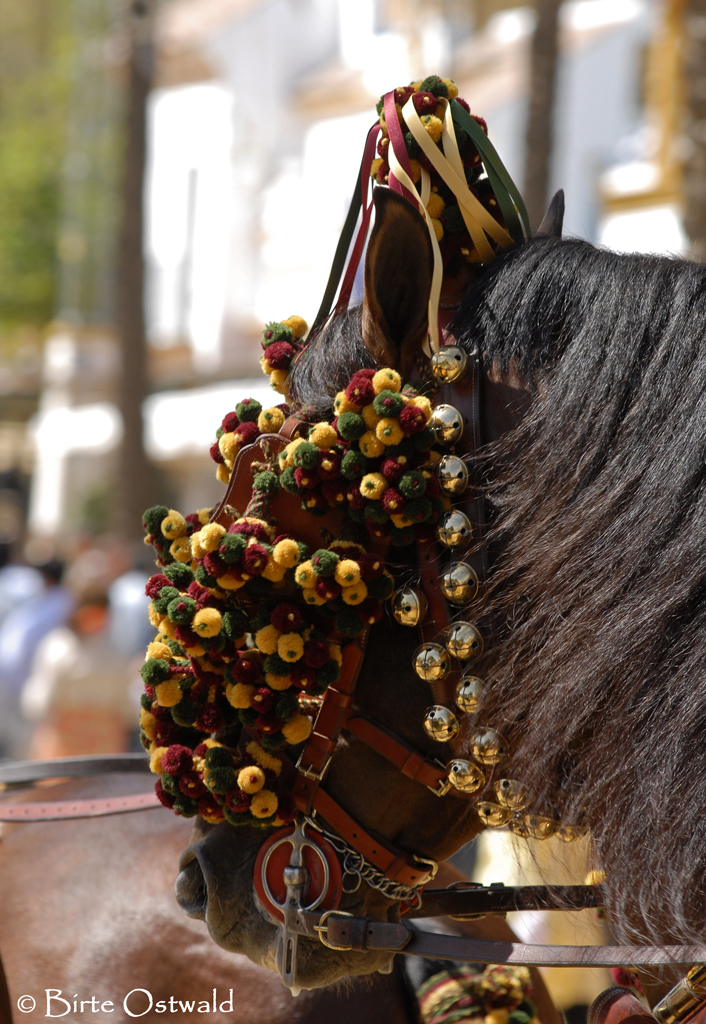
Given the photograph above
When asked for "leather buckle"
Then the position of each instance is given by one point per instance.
(322, 929)
(309, 772)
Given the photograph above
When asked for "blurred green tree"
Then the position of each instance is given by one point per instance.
(35, 61)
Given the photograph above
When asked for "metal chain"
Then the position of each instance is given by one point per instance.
(356, 866)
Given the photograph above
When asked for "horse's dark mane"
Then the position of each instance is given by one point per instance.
(329, 361)
(597, 659)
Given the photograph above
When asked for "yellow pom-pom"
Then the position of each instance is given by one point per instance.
(290, 647)
(389, 431)
(263, 804)
(370, 416)
(286, 553)
(266, 639)
(355, 594)
(416, 85)
(499, 1015)
(277, 682)
(297, 325)
(452, 88)
(370, 445)
(401, 520)
(312, 598)
(263, 757)
(266, 369)
(238, 695)
(278, 381)
(304, 574)
(169, 628)
(197, 548)
(147, 723)
(273, 571)
(432, 126)
(252, 779)
(323, 435)
(298, 730)
(222, 473)
(211, 535)
(416, 169)
(229, 445)
(335, 652)
(341, 404)
(270, 421)
(158, 649)
(386, 380)
(173, 525)
(207, 622)
(347, 572)
(423, 403)
(438, 228)
(154, 616)
(230, 582)
(375, 167)
(156, 756)
(372, 485)
(168, 693)
(435, 205)
(180, 549)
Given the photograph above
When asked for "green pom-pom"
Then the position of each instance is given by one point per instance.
(380, 106)
(185, 712)
(180, 574)
(380, 587)
(388, 403)
(219, 757)
(154, 671)
(221, 780)
(185, 806)
(270, 741)
(277, 666)
(286, 706)
(145, 702)
(330, 672)
(152, 519)
(166, 595)
(412, 146)
(350, 426)
(248, 409)
(356, 514)
(266, 482)
(452, 219)
(400, 538)
(235, 818)
(354, 465)
(232, 546)
(288, 481)
(219, 433)
(374, 511)
(205, 578)
(404, 448)
(347, 623)
(248, 717)
(434, 85)
(182, 610)
(306, 455)
(303, 551)
(235, 623)
(275, 332)
(176, 648)
(418, 509)
(324, 562)
(422, 441)
(170, 784)
(412, 484)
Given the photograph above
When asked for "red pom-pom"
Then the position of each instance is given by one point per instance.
(238, 801)
(425, 102)
(230, 422)
(314, 500)
(286, 807)
(248, 431)
(155, 584)
(370, 566)
(383, 173)
(334, 491)
(280, 355)
(166, 733)
(302, 676)
(327, 588)
(186, 637)
(306, 478)
(378, 531)
(249, 529)
(360, 390)
(402, 94)
(268, 723)
(214, 564)
(210, 719)
(193, 521)
(209, 805)
(200, 594)
(412, 419)
(177, 760)
(166, 799)
(392, 501)
(201, 750)
(392, 470)
(355, 498)
(329, 465)
(316, 652)
(191, 785)
(382, 147)
(433, 489)
(262, 700)
(464, 104)
(246, 670)
(215, 453)
(369, 611)
(254, 559)
(286, 618)
(151, 692)
(481, 121)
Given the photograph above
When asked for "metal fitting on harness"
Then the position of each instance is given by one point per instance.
(684, 999)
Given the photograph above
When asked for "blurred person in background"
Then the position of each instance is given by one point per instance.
(18, 583)
(78, 695)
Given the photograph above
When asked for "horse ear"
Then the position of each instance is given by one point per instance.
(398, 272)
(553, 220)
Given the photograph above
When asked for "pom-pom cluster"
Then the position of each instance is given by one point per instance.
(282, 342)
(495, 995)
(242, 427)
(455, 244)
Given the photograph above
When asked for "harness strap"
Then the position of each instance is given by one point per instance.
(59, 810)
(410, 762)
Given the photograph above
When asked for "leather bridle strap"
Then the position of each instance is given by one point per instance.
(411, 762)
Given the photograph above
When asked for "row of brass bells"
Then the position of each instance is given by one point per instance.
(493, 815)
(532, 826)
(447, 424)
(464, 641)
(410, 606)
(440, 723)
(465, 775)
(469, 691)
(459, 584)
(452, 474)
(488, 747)
(449, 364)
(512, 794)
(570, 833)
(431, 662)
(454, 530)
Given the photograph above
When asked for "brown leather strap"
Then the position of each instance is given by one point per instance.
(619, 1006)
(17, 773)
(58, 810)
(480, 900)
(410, 762)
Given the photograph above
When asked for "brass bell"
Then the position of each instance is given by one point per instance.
(570, 833)
(465, 775)
(449, 364)
(469, 691)
(511, 793)
(454, 530)
(463, 641)
(539, 827)
(452, 473)
(440, 723)
(459, 584)
(447, 424)
(431, 662)
(489, 747)
(492, 814)
(518, 825)
(409, 606)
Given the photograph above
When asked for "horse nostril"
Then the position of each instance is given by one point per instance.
(190, 890)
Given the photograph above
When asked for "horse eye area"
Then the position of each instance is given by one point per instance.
(190, 890)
